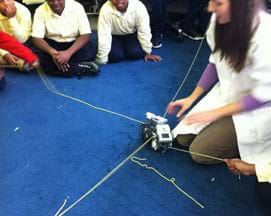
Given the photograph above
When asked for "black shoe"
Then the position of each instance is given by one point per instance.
(156, 42)
(177, 29)
(88, 68)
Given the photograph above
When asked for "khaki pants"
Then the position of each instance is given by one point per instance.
(19, 64)
(217, 140)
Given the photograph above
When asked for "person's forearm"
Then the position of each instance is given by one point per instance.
(246, 103)
(230, 109)
(198, 91)
(10, 44)
(79, 43)
(42, 45)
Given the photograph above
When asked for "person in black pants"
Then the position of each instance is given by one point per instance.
(62, 39)
(157, 18)
(196, 20)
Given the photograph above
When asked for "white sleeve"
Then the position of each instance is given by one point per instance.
(104, 37)
(39, 27)
(143, 28)
(84, 27)
(261, 65)
(3, 52)
(263, 172)
(20, 25)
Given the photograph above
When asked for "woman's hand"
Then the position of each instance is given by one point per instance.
(182, 104)
(150, 57)
(203, 117)
(215, 114)
(238, 167)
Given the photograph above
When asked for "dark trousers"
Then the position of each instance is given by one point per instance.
(263, 191)
(2, 80)
(197, 14)
(86, 53)
(157, 17)
(29, 44)
(125, 47)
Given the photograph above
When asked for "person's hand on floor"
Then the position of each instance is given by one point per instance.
(150, 57)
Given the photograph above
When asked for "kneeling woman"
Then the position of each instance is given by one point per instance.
(234, 118)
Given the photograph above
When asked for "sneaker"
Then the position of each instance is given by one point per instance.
(176, 27)
(88, 68)
(192, 33)
(156, 42)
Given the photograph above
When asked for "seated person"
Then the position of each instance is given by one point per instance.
(61, 32)
(18, 51)
(263, 172)
(124, 32)
(15, 19)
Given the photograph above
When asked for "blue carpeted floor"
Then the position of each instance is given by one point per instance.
(52, 148)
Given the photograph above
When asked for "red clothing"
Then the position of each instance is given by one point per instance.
(13, 46)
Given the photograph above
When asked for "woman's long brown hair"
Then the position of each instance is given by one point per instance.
(233, 39)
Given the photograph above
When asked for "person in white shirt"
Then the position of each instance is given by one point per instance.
(61, 32)
(15, 20)
(124, 32)
(261, 169)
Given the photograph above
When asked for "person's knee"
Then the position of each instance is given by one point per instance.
(115, 57)
(199, 155)
(185, 139)
(134, 54)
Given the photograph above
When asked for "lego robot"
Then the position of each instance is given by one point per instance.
(157, 128)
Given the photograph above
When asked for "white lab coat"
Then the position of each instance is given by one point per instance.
(253, 128)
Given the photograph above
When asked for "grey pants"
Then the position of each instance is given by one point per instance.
(217, 140)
